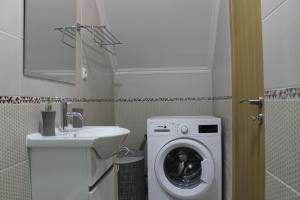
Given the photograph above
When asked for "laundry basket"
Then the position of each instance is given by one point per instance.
(131, 183)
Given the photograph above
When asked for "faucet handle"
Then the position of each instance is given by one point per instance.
(75, 114)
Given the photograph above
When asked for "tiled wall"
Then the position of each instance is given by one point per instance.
(141, 95)
(281, 30)
(134, 114)
(283, 146)
(16, 122)
(168, 83)
(97, 113)
(223, 109)
(282, 110)
(19, 120)
(12, 82)
(222, 86)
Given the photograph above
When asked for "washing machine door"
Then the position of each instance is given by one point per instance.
(184, 169)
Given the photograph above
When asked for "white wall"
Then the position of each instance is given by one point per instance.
(18, 121)
(222, 83)
(281, 35)
(167, 52)
(222, 87)
(163, 34)
(163, 84)
(133, 114)
(12, 81)
(281, 31)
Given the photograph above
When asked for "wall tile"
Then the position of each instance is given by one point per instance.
(9, 57)
(98, 84)
(16, 122)
(12, 135)
(168, 84)
(37, 87)
(222, 86)
(227, 165)
(97, 114)
(275, 190)
(282, 140)
(222, 81)
(10, 17)
(21, 18)
(222, 59)
(15, 182)
(88, 17)
(134, 115)
(281, 44)
(268, 6)
(223, 109)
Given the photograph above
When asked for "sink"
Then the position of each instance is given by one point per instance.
(105, 140)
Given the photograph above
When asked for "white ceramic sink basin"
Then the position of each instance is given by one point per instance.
(105, 140)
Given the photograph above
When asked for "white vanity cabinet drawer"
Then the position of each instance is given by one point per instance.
(106, 189)
(97, 167)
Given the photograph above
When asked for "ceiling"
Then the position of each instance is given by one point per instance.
(162, 34)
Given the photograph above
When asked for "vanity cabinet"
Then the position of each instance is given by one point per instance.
(71, 173)
(105, 189)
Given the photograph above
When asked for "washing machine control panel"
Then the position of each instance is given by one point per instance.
(196, 129)
(188, 128)
(161, 128)
(184, 129)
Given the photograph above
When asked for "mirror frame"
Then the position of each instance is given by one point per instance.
(34, 75)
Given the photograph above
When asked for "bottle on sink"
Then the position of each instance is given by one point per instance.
(48, 117)
(77, 122)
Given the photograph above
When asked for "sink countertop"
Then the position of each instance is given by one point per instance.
(84, 137)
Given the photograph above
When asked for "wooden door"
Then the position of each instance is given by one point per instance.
(247, 77)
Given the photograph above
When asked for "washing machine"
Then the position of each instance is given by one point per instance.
(184, 158)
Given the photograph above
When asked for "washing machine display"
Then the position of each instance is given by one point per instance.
(183, 168)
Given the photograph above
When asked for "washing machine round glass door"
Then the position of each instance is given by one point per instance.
(185, 169)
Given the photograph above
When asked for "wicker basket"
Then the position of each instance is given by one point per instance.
(131, 183)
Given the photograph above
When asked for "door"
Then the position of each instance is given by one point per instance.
(247, 76)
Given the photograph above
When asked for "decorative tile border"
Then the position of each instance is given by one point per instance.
(163, 99)
(283, 93)
(222, 98)
(19, 100)
(39, 100)
(175, 99)
(86, 100)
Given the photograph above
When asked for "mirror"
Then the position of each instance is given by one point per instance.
(49, 48)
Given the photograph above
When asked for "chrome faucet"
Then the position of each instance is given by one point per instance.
(66, 115)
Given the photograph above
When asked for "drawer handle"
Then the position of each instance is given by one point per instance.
(91, 188)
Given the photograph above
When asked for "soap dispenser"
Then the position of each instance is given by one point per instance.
(48, 119)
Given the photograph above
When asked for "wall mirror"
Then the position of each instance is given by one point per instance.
(49, 47)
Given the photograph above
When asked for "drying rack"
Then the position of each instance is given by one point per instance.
(102, 36)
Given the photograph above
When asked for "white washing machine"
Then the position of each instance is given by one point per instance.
(184, 158)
